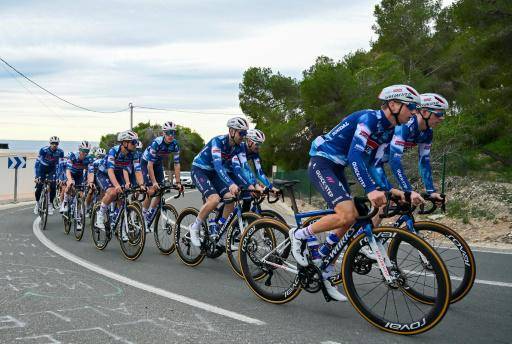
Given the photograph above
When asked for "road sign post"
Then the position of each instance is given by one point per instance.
(15, 162)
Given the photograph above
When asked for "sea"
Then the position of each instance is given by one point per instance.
(34, 146)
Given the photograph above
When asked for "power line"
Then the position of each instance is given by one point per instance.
(56, 96)
(186, 111)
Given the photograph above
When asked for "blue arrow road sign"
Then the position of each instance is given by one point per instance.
(15, 162)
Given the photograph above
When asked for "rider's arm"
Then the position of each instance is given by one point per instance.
(90, 173)
(152, 158)
(357, 155)
(137, 169)
(177, 166)
(398, 143)
(217, 163)
(425, 167)
(260, 174)
(239, 172)
(377, 168)
(38, 164)
(126, 176)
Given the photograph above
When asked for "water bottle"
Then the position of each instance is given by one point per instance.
(213, 229)
(313, 245)
(329, 243)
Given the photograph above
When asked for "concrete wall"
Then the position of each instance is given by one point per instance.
(25, 179)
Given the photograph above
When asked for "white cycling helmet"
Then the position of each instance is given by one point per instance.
(256, 135)
(139, 144)
(100, 151)
(127, 135)
(54, 139)
(238, 123)
(401, 93)
(169, 126)
(433, 101)
(84, 145)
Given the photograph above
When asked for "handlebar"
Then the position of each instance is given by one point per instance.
(433, 208)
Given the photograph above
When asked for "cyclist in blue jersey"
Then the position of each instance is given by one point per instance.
(91, 178)
(115, 172)
(61, 175)
(210, 176)
(138, 151)
(76, 166)
(418, 131)
(45, 167)
(153, 168)
(352, 143)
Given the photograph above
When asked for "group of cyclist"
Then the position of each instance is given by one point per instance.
(230, 165)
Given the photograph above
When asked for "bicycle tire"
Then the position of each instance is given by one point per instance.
(81, 207)
(272, 214)
(43, 213)
(233, 239)
(99, 237)
(67, 221)
(463, 252)
(255, 271)
(167, 231)
(186, 252)
(352, 268)
(136, 234)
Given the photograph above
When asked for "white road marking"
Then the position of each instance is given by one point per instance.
(456, 278)
(149, 288)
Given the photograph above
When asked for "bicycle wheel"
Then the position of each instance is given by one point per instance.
(233, 238)
(266, 263)
(453, 250)
(273, 215)
(66, 218)
(389, 306)
(43, 211)
(163, 229)
(189, 254)
(79, 233)
(133, 234)
(100, 237)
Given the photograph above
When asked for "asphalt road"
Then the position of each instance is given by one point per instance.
(46, 298)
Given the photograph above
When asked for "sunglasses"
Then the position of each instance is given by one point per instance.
(438, 113)
(410, 106)
(54, 143)
(242, 133)
(170, 132)
(83, 150)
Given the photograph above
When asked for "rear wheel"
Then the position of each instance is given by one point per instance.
(43, 211)
(390, 306)
(164, 226)
(79, 232)
(273, 215)
(266, 263)
(189, 254)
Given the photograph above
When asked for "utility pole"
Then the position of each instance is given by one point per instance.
(131, 115)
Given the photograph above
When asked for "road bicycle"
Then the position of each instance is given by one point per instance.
(211, 245)
(379, 290)
(74, 217)
(44, 200)
(124, 220)
(164, 219)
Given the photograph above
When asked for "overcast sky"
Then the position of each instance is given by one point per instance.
(176, 54)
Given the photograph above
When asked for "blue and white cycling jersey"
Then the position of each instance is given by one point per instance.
(354, 142)
(47, 159)
(407, 136)
(61, 167)
(118, 161)
(159, 149)
(97, 165)
(77, 165)
(239, 168)
(215, 155)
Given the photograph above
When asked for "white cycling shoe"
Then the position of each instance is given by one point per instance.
(194, 235)
(51, 209)
(63, 207)
(333, 292)
(298, 248)
(36, 209)
(100, 220)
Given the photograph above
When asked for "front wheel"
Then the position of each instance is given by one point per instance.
(164, 227)
(453, 250)
(43, 211)
(273, 215)
(235, 229)
(389, 305)
(100, 237)
(266, 263)
(80, 211)
(133, 232)
(189, 254)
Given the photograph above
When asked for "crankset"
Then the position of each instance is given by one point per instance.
(310, 278)
(362, 264)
